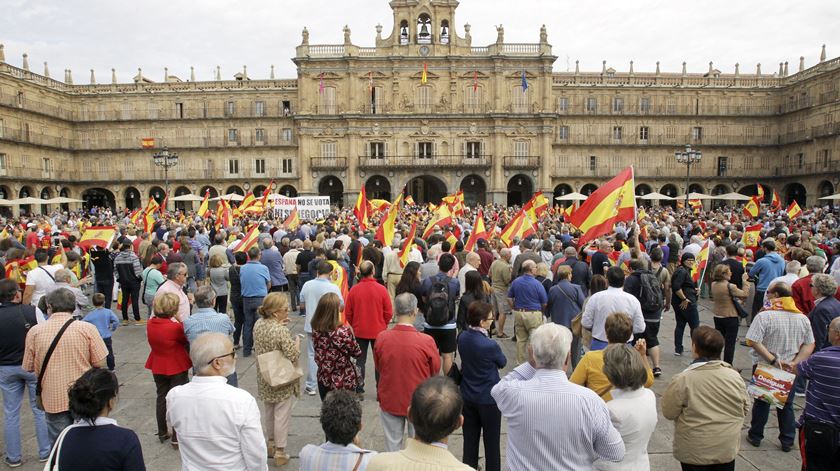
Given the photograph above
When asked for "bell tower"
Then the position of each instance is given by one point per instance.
(419, 23)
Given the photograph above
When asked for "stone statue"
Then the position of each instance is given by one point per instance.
(444, 102)
(543, 35)
(500, 34)
(346, 34)
(305, 37)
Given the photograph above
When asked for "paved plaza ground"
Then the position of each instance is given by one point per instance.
(137, 396)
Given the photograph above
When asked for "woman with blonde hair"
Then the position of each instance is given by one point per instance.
(335, 346)
(168, 359)
(219, 277)
(271, 333)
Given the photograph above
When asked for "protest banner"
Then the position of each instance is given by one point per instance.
(310, 208)
(771, 385)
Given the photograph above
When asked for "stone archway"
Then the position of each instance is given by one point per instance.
(333, 187)
(235, 189)
(26, 192)
(288, 191)
(796, 192)
(378, 187)
(99, 197)
(643, 189)
(520, 189)
(716, 191)
(588, 189)
(132, 198)
(669, 190)
(826, 188)
(426, 189)
(182, 205)
(696, 188)
(64, 193)
(475, 190)
(157, 193)
(258, 191)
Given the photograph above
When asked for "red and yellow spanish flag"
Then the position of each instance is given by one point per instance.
(759, 192)
(338, 277)
(408, 245)
(16, 270)
(410, 201)
(794, 210)
(479, 231)
(752, 235)
(247, 202)
(361, 210)
(613, 202)
(536, 206)
(152, 207)
(134, 217)
(204, 209)
(520, 226)
(752, 208)
(99, 236)
(385, 231)
(441, 217)
(250, 239)
(147, 142)
(452, 239)
(776, 204)
(293, 221)
(570, 210)
(641, 214)
(265, 194)
(424, 78)
(224, 217)
(700, 263)
(377, 206)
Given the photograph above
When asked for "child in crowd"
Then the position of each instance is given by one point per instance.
(106, 323)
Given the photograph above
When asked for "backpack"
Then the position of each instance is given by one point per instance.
(650, 291)
(438, 307)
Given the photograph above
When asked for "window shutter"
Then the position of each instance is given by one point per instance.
(387, 153)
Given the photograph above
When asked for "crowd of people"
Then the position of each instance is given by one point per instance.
(585, 321)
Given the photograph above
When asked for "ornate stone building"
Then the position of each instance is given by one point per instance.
(426, 109)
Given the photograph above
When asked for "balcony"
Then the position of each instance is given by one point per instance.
(830, 167)
(605, 109)
(117, 173)
(521, 162)
(650, 172)
(606, 139)
(430, 163)
(328, 163)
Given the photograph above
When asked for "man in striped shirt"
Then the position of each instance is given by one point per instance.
(822, 402)
(536, 396)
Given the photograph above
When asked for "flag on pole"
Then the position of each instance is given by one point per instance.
(424, 78)
(752, 235)
(147, 142)
(361, 209)
(293, 221)
(612, 202)
(387, 226)
(204, 209)
(224, 217)
(265, 194)
(163, 204)
(134, 217)
(524, 81)
(536, 206)
(247, 202)
(794, 210)
(410, 201)
(759, 192)
(752, 208)
(409, 244)
(441, 217)
(700, 264)
(479, 231)
(520, 226)
(570, 210)
(250, 239)
(776, 204)
(641, 214)
(98, 236)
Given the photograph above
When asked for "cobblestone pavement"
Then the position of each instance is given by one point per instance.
(137, 396)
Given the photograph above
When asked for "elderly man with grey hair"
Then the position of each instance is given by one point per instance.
(206, 319)
(176, 278)
(826, 308)
(64, 279)
(473, 261)
(529, 299)
(404, 358)
(218, 425)
(790, 277)
(801, 288)
(537, 395)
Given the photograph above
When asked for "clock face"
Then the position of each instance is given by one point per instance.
(424, 51)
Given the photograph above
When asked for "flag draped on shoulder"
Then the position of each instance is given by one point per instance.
(479, 231)
(752, 208)
(441, 217)
(204, 209)
(794, 210)
(700, 264)
(520, 226)
(613, 202)
(385, 231)
(250, 239)
(361, 209)
(409, 244)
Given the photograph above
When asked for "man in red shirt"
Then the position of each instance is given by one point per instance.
(404, 358)
(487, 258)
(801, 288)
(368, 311)
(32, 240)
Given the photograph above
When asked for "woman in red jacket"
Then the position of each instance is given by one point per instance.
(168, 360)
(334, 346)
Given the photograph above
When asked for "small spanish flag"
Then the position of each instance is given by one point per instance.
(752, 208)
(424, 78)
(147, 142)
(794, 210)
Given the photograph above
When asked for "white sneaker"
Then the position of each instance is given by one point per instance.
(311, 392)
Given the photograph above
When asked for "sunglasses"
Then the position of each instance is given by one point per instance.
(231, 354)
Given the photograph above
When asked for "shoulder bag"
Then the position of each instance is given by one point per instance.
(739, 308)
(577, 328)
(46, 362)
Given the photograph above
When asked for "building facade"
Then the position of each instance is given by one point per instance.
(423, 109)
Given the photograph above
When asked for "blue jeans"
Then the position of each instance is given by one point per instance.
(249, 308)
(785, 416)
(13, 382)
(56, 423)
(312, 367)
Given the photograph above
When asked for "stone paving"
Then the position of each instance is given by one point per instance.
(137, 396)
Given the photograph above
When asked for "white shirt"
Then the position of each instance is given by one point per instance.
(534, 402)
(462, 276)
(218, 426)
(633, 414)
(42, 279)
(600, 305)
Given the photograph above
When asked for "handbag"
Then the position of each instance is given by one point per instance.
(454, 374)
(739, 308)
(277, 370)
(38, 402)
(577, 327)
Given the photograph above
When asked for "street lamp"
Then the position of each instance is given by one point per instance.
(167, 160)
(688, 156)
